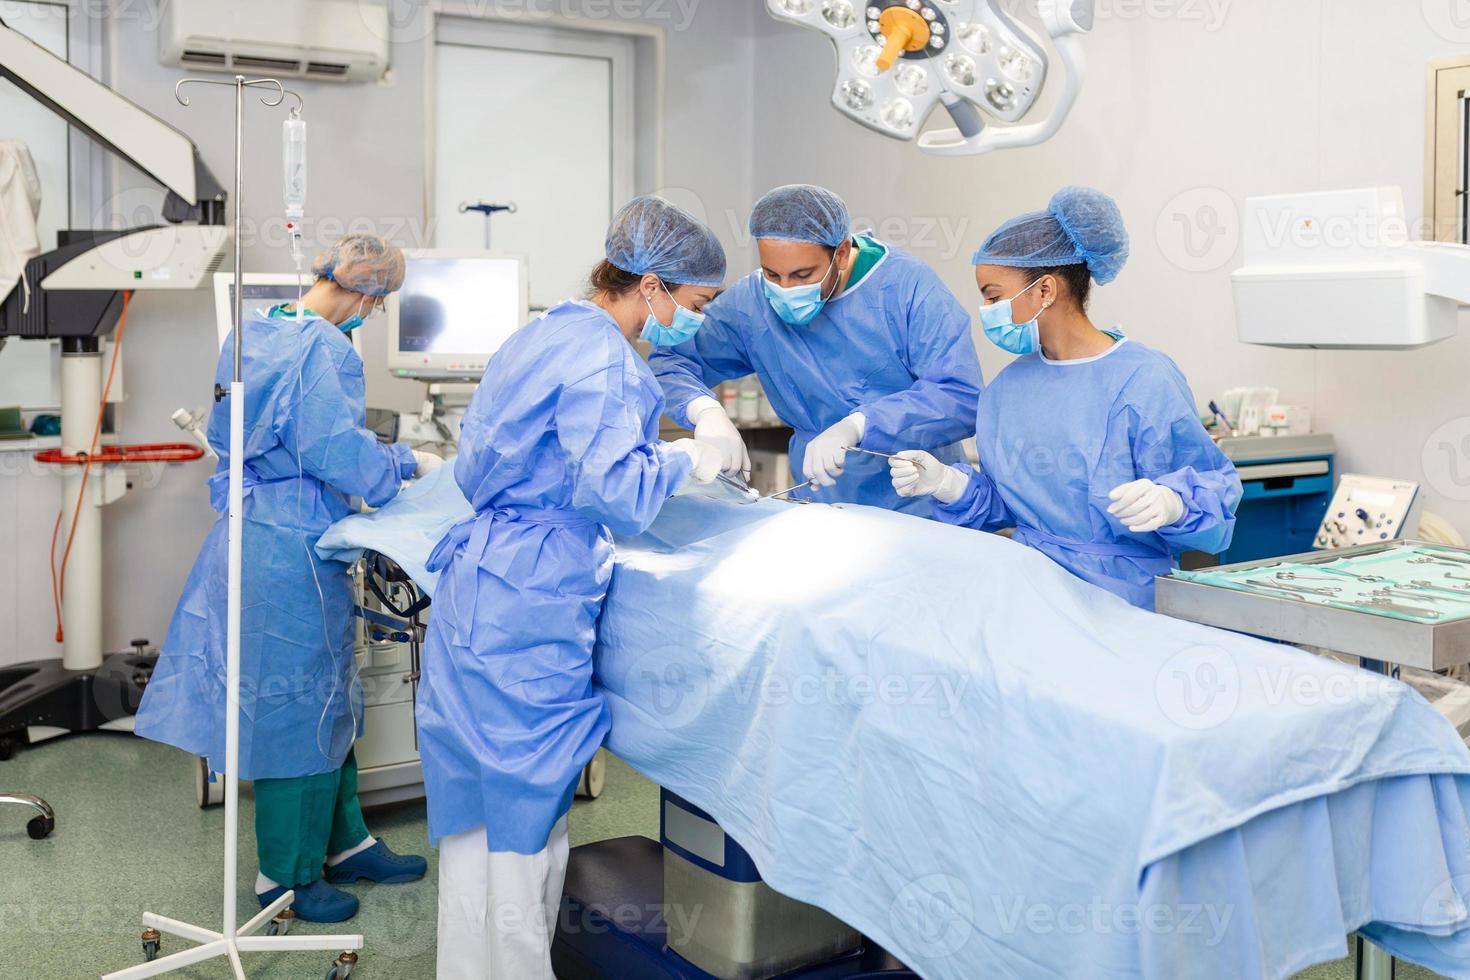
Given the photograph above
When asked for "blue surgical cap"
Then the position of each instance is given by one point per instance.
(1080, 226)
(651, 235)
(364, 264)
(801, 213)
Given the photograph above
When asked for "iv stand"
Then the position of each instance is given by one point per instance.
(231, 940)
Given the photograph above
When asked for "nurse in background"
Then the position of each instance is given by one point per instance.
(856, 344)
(558, 452)
(307, 453)
(1089, 442)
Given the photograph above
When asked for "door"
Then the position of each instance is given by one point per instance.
(540, 117)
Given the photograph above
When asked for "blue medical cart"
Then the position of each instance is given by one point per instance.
(1288, 482)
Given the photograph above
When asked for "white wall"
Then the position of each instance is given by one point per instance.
(367, 172)
(1207, 103)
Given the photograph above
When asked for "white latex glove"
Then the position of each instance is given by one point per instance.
(713, 427)
(825, 454)
(428, 463)
(1144, 506)
(916, 473)
(706, 459)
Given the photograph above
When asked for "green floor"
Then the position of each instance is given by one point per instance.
(130, 838)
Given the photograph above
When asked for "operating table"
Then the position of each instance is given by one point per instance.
(948, 743)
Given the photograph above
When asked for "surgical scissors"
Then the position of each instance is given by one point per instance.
(1298, 577)
(1427, 560)
(1386, 592)
(1457, 590)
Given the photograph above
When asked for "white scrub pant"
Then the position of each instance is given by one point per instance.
(497, 909)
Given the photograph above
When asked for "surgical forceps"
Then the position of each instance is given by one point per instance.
(780, 493)
(874, 452)
(740, 486)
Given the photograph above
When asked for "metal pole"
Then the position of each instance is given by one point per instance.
(236, 532)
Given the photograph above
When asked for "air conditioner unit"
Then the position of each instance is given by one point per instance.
(339, 40)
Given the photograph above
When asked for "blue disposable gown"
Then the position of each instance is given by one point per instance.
(1055, 438)
(559, 447)
(306, 453)
(895, 346)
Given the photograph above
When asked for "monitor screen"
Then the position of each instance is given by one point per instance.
(462, 309)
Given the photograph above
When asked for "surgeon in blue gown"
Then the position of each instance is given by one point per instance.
(559, 450)
(1090, 444)
(856, 343)
(306, 454)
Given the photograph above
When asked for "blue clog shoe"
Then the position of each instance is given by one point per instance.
(379, 864)
(316, 902)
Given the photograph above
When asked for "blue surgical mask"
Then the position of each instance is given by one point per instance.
(353, 322)
(998, 322)
(685, 325)
(798, 305)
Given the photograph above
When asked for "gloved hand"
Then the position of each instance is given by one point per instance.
(916, 473)
(1144, 506)
(825, 454)
(706, 458)
(428, 463)
(713, 427)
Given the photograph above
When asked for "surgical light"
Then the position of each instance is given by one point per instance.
(988, 69)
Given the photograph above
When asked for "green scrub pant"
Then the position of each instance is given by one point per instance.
(298, 822)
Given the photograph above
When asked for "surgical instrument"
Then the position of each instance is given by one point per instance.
(1298, 577)
(1386, 592)
(1391, 606)
(1444, 557)
(780, 493)
(1426, 560)
(739, 486)
(1287, 586)
(1458, 590)
(874, 452)
(1457, 578)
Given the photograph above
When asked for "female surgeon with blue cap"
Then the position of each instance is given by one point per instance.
(559, 450)
(1089, 442)
(306, 453)
(856, 344)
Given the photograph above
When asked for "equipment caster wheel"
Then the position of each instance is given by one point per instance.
(152, 941)
(39, 827)
(594, 776)
(209, 787)
(9, 745)
(343, 967)
(281, 924)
